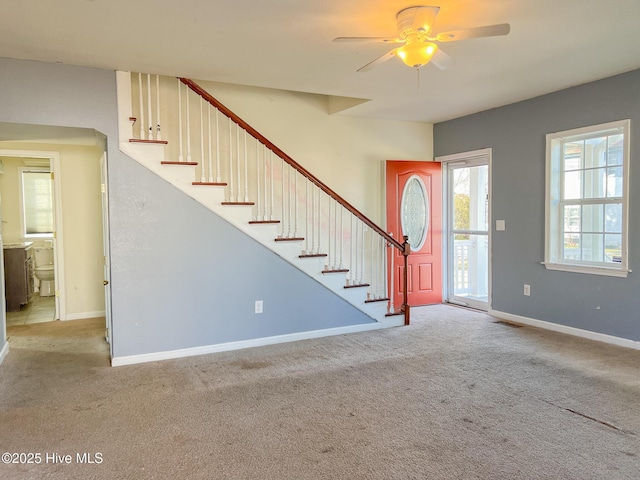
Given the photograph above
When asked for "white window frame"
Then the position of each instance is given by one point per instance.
(553, 212)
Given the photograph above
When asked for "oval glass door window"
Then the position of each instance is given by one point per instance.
(414, 212)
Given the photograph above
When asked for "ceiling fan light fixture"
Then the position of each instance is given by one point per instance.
(417, 54)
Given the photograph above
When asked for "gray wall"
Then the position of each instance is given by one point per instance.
(181, 277)
(193, 279)
(516, 133)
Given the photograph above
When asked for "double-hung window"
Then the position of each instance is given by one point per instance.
(37, 203)
(587, 199)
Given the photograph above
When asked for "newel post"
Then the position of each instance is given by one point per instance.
(406, 250)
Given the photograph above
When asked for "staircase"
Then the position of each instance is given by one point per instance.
(183, 134)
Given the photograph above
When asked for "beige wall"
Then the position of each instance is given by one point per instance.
(81, 220)
(10, 197)
(346, 153)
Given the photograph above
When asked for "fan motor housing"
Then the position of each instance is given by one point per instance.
(416, 23)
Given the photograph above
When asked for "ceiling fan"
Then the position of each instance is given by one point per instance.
(415, 26)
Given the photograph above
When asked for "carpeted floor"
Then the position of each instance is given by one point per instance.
(456, 395)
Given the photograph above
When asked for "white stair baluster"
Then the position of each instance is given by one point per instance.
(328, 264)
(209, 134)
(385, 270)
(289, 206)
(202, 162)
(230, 161)
(391, 255)
(350, 265)
(272, 206)
(306, 216)
(264, 169)
(359, 252)
(218, 179)
(354, 248)
(150, 137)
(158, 134)
(313, 220)
(295, 202)
(341, 265)
(258, 196)
(376, 292)
(372, 283)
(319, 220)
(336, 238)
(238, 178)
(180, 156)
(381, 266)
(141, 119)
(284, 218)
(246, 169)
(188, 128)
(362, 249)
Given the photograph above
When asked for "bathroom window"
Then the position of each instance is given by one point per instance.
(37, 203)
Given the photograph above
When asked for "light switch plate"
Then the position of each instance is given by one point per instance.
(500, 225)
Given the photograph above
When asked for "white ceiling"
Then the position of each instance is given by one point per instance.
(287, 44)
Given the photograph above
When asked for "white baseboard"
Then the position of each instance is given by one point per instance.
(83, 315)
(258, 342)
(576, 332)
(4, 352)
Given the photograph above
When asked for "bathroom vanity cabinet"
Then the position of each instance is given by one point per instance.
(18, 275)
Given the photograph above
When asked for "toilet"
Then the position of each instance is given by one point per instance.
(43, 259)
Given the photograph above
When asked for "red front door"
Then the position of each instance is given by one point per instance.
(414, 208)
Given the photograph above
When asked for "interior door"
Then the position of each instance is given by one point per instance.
(105, 245)
(3, 314)
(414, 208)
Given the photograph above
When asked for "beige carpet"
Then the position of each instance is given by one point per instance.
(456, 395)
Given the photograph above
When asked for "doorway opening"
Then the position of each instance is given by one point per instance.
(75, 159)
(466, 242)
(32, 236)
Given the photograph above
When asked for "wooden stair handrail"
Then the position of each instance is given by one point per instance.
(257, 135)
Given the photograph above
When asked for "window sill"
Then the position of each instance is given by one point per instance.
(610, 272)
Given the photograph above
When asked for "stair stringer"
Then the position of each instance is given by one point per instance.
(239, 216)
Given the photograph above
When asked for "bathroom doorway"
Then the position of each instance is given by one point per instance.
(74, 157)
(32, 230)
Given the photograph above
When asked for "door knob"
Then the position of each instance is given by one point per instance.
(105, 282)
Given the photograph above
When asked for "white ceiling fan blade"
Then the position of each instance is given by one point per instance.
(442, 60)
(487, 31)
(368, 39)
(378, 61)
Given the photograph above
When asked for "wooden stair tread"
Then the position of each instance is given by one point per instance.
(238, 203)
(340, 270)
(312, 255)
(377, 300)
(289, 239)
(263, 222)
(179, 163)
(357, 285)
(140, 140)
(214, 184)
(391, 314)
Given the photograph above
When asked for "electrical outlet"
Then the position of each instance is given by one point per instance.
(527, 290)
(258, 306)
